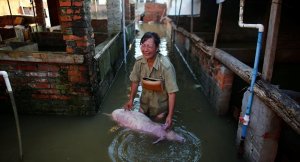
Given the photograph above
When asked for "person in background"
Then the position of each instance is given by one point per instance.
(158, 78)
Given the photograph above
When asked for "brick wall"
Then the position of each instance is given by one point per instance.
(216, 82)
(76, 26)
(71, 82)
(49, 83)
(154, 12)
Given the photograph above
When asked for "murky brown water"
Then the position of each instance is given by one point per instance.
(98, 139)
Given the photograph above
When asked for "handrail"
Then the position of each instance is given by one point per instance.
(97, 56)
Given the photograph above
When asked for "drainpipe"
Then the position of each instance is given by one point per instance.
(192, 17)
(124, 31)
(10, 92)
(260, 27)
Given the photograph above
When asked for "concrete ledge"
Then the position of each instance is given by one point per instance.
(45, 57)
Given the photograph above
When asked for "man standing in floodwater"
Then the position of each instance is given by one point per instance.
(158, 78)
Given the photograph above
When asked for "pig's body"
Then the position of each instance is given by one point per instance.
(139, 122)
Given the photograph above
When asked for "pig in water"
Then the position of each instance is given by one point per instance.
(139, 122)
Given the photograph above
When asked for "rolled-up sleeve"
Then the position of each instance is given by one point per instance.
(135, 73)
(170, 80)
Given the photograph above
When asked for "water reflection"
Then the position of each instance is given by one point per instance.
(131, 146)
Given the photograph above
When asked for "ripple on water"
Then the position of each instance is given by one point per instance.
(132, 146)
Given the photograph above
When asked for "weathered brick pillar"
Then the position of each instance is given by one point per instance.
(263, 131)
(222, 92)
(76, 26)
(114, 16)
(132, 11)
(40, 15)
(127, 10)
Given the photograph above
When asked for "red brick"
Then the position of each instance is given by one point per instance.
(26, 67)
(69, 49)
(78, 4)
(220, 80)
(48, 91)
(36, 74)
(74, 73)
(47, 67)
(41, 80)
(66, 24)
(228, 79)
(40, 96)
(82, 68)
(74, 79)
(66, 18)
(76, 17)
(77, 11)
(74, 37)
(53, 74)
(65, 3)
(69, 11)
(77, 79)
(73, 67)
(82, 91)
(82, 43)
(39, 85)
(59, 97)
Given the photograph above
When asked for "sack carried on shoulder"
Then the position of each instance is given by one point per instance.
(152, 84)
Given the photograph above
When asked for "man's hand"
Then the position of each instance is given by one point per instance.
(133, 89)
(169, 122)
(128, 106)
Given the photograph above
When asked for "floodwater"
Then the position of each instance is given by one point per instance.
(209, 138)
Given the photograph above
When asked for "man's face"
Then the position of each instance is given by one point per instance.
(149, 49)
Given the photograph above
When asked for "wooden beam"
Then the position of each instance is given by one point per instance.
(235, 65)
(271, 42)
(284, 106)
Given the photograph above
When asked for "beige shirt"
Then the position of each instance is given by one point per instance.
(154, 102)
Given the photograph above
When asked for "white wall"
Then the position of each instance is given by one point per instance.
(186, 7)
